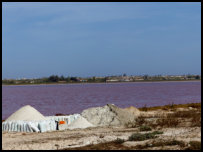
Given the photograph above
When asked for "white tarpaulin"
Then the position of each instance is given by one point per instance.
(37, 126)
(68, 119)
(29, 126)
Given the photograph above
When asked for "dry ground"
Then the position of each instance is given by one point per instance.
(179, 128)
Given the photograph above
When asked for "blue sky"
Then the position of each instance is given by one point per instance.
(99, 39)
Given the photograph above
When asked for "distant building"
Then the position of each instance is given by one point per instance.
(83, 80)
(112, 80)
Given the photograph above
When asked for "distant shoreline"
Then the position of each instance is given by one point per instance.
(98, 82)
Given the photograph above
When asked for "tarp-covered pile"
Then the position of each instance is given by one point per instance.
(28, 119)
(29, 126)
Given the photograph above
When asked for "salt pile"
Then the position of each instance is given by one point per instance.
(28, 119)
(109, 115)
(26, 113)
(133, 110)
(80, 123)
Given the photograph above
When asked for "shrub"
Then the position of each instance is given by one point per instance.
(168, 143)
(169, 122)
(141, 137)
(172, 106)
(137, 137)
(194, 145)
(161, 143)
(140, 120)
(158, 132)
(144, 108)
(183, 114)
(196, 120)
(145, 128)
(137, 122)
(175, 142)
(119, 141)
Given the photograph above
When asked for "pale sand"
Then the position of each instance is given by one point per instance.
(26, 113)
(80, 123)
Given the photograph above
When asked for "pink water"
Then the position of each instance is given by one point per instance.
(73, 98)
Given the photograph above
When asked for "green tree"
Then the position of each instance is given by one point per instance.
(73, 79)
(189, 76)
(197, 77)
(145, 77)
(67, 79)
(53, 78)
(93, 79)
(62, 78)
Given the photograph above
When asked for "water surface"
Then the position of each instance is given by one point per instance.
(73, 98)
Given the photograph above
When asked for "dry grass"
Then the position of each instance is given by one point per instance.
(171, 106)
(177, 117)
(117, 144)
(167, 122)
(140, 121)
(194, 145)
(136, 123)
(174, 119)
(114, 145)
(184, 114)
(146, 123)
(161, 143)
(196, 121)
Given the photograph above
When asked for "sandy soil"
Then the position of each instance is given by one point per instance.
(83, 137)
(103, 137)
(63, 139)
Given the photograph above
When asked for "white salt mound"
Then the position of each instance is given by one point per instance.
(133, 110)
(26, 113)
(109, 115)
(80, 123)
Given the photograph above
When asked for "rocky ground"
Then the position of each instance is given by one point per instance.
(171, 127)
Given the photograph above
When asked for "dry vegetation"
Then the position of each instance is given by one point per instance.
(177, 116)
(172, 106)
(184, 115)
(171, 127)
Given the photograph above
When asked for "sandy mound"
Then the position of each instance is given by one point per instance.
(26, 113)
(80, 123)
(109, 115)
(133, 110)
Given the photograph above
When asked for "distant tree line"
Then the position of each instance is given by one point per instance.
(55, 78)
(63, 79)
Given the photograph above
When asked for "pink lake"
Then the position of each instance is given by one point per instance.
(73, 98)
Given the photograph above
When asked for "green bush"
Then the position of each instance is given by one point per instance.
(141, 137)
(158, 132)
(137, 137)
(145, 128)
(119, 141)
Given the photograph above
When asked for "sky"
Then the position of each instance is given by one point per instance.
(40, 39)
